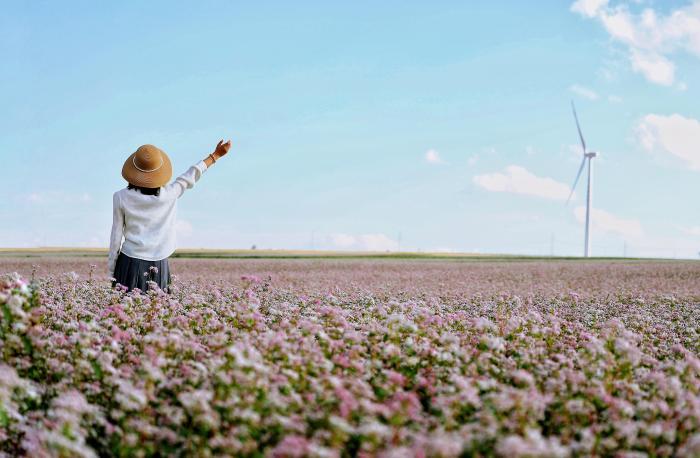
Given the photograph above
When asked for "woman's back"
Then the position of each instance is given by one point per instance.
(149, 223)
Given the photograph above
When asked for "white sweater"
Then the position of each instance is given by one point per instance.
(147, 223)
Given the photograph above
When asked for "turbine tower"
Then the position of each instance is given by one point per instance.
(587, 155)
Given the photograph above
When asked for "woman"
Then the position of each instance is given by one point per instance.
(144, 216)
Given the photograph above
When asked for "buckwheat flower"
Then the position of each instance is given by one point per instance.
(391, 350)
(400, 452)
(395, 377)
(341, 424)
(51, 442)
(130, 397)
(196, 400)
(131, 439)
(532, 445)
(691, 448)
(483, 324)
(445, 444)
(73, 401)
(209, 418)
(631, 454)
(493, 343)
(693, 363)
(374, 429)
(515, 446)
(292, 446)
(251, 278)
(319, 451)
(15, 304)
(249, 415)
(522, 378)
(576, 406)
(504, 401)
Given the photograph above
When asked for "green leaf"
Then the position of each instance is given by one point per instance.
(4, 418)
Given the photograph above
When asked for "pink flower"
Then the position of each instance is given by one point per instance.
(291, 447)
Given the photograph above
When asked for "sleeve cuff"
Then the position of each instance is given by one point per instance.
(201, 165)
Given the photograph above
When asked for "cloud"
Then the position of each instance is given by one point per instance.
(649, 36)
(607, 222)
(675, 135)
(693, 230)
(518, 180)
(442, 249)
(54, 197)
(614, 99)
(655, 67)
(588, 8)
(363, 242)
(584, 92)
(35, 198)
(433, 157)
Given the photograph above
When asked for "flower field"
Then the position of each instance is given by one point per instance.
(352, 358)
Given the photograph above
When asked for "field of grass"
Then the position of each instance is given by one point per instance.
(301, 254)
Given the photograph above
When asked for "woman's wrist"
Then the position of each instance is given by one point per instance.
(209, 160)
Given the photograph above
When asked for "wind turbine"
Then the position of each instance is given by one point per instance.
(587, 155)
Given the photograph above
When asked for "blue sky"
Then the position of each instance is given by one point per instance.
(365, 125)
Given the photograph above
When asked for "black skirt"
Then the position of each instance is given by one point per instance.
(136, 273)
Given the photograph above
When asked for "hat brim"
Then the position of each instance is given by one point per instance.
(154, 179)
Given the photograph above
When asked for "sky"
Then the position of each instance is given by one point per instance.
(394, 125)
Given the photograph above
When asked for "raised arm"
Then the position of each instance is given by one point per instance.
(194, 173)
(115, 240)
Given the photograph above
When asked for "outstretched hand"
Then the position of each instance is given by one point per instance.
(221, 149)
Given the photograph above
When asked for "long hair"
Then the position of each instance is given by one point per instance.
(145, 191)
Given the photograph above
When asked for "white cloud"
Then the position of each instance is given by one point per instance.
(588, 8)
(35, 198)
(518, 180)
(607, 222)
(54, 197)
(473, 159)
(363, 242)
(675, 135)
(614, 99)
(442, 249)
(693, 230)
(655, 67)
(584, 92)
(433, 157)
(342, 240)
(650, 37)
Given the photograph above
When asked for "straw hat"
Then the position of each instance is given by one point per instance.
(148, 167)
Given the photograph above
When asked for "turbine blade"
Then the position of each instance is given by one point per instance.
(578, 127)
(578, 175)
